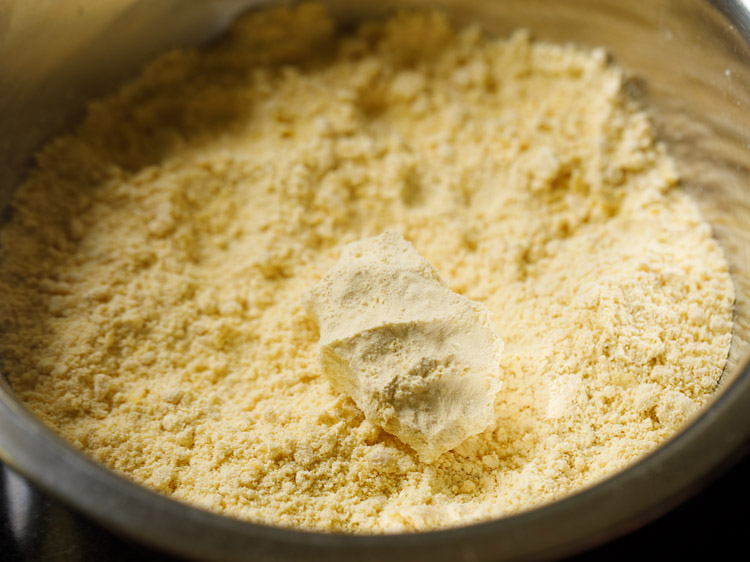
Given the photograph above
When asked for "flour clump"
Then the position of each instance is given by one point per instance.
(419, 360)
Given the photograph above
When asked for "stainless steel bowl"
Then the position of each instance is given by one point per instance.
(689, 61)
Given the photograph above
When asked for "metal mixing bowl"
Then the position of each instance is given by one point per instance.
(689, 61)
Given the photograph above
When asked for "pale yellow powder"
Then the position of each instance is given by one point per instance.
(155, 262)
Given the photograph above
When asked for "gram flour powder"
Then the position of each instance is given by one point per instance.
(156, 258)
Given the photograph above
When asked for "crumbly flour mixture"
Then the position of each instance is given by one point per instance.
(154, 267)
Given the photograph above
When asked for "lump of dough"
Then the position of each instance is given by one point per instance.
(419, 360)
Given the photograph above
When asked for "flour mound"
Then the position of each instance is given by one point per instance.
(154, 267)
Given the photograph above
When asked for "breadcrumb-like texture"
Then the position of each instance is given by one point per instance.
(154, 266)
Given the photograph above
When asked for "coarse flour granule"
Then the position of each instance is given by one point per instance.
(154, 267)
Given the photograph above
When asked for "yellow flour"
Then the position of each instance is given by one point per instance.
(154, 268)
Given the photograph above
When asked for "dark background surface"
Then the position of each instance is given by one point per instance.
(711, 526)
